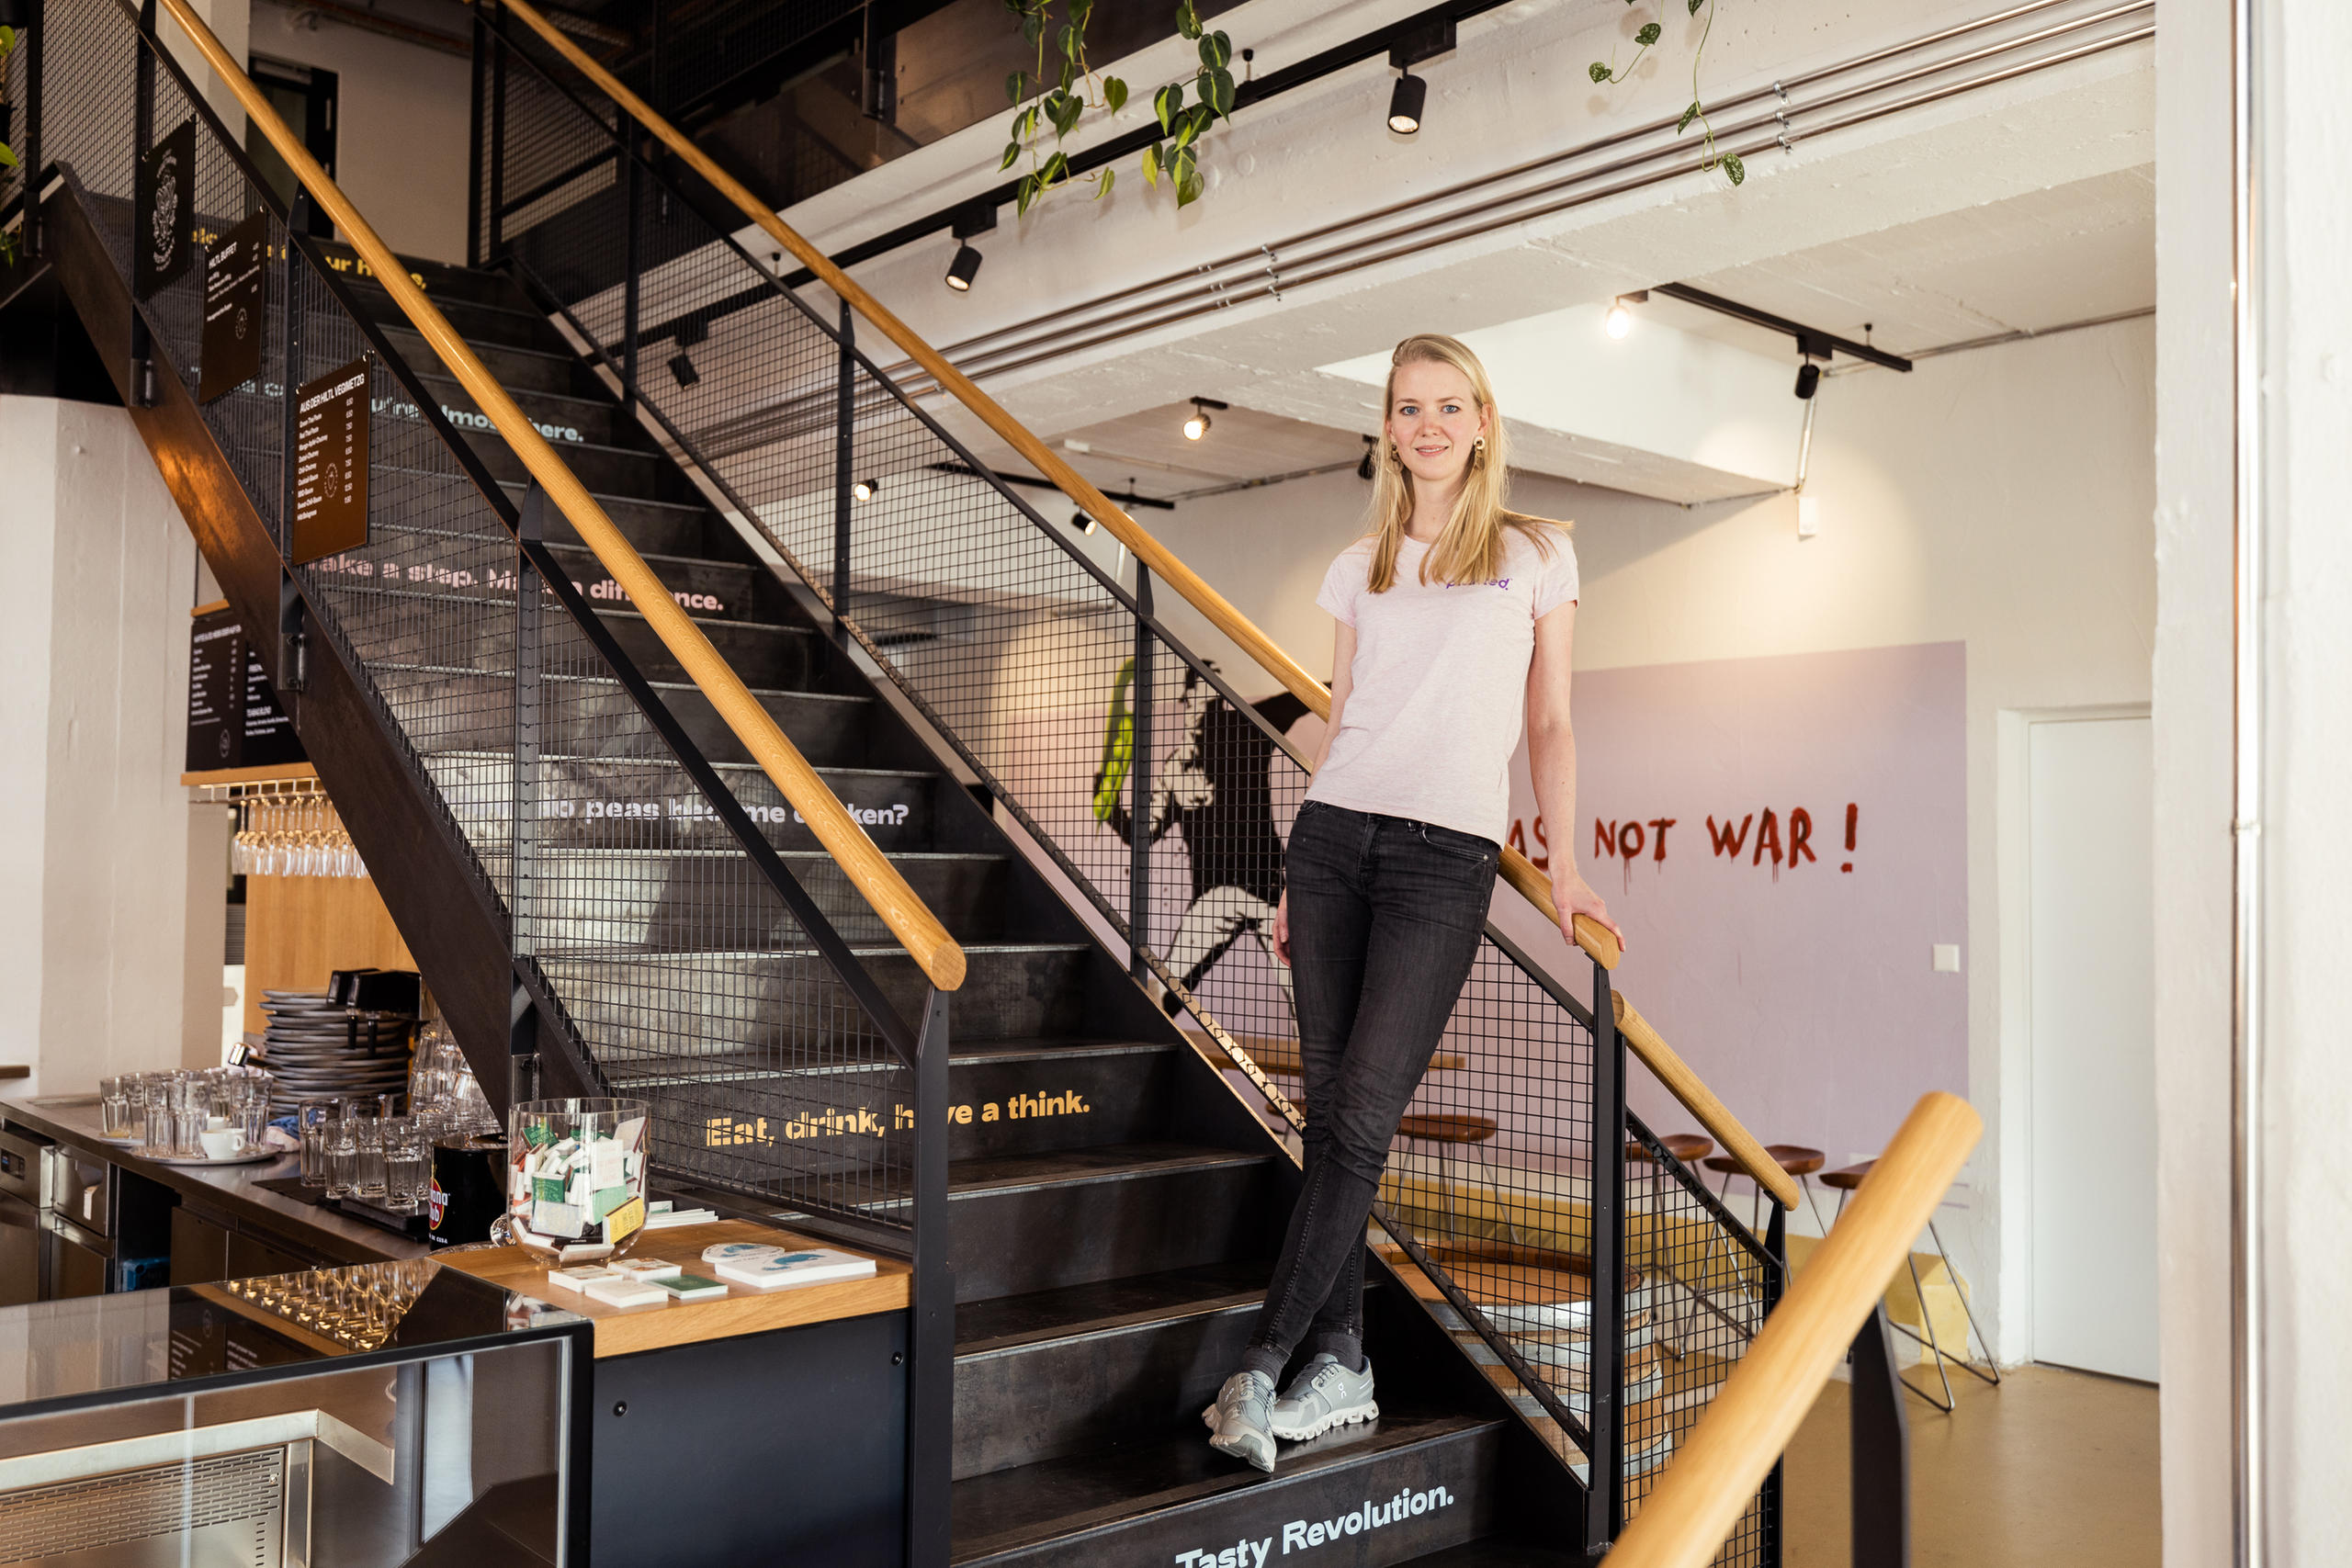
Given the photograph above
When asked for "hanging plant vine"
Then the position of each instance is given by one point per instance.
(1070, 89)
(7, 153)
(1607, 74)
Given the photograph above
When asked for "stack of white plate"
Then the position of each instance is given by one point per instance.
(322, 1050)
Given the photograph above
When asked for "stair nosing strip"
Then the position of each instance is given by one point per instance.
(551, 677)
(1226, 1160)
(1006, 1345)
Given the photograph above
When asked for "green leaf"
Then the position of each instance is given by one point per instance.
(1188, 21)
(1216, 50)
(1068, 74)
(7, 159)
(1032, 27)
(1648, 35)
(1151, 164)
(1063, 109)
(1688, 116)
(1598, 72)
(1024, 124)
(1695, 4)
(1185, 165)
(1079, 10)
(1188, 189)
(1024, 194)
(1735, 168)
(1165, 102)
(1187, 128)
(1011, 151)
(1220, 91)
(1114, 93)
(1014, 85)
(7, 39)
(1057, 170)
(1103, 185)
(1066, 40)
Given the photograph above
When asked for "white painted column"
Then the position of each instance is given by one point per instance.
(2306, 975)
(93, 938)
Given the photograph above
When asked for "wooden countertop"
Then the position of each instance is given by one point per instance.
(624, 1331)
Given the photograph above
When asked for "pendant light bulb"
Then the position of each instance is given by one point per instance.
(1620, 320)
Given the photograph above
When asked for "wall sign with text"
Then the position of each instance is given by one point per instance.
(236, 276)
(163, 211)
(233, 718)
(331, 464)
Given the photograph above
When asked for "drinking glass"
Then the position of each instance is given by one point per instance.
(155, 1126)
(114, 1107)
(408, 1164)
(342, 1156)
(367, 1171)
(314, 1123)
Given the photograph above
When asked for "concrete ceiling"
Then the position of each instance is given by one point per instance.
(2067, 253)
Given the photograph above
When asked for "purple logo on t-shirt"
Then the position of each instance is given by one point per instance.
(1492, 582)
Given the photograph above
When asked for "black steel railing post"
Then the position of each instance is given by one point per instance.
(530, 532)
(1605, 1379)
(930, 1381)
(496, 216)
(1776, 1280)
(1139, 777)
(629, 261)
(1881, 1450)
(290, 645)
(478, 106)
(28, 236)
(844, 454)
(143, 120)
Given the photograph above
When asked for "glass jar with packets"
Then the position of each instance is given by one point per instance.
(575, 1177)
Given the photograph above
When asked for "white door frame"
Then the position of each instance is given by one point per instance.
(2013, 853)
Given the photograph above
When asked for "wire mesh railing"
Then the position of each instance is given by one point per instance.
(1032, 647)
(643, 893)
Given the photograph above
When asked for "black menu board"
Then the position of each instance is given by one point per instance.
(331, 464)
(216, 695)
(236, 271)
(233, 719)
(162, 208)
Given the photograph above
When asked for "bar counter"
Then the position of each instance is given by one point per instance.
(230, 1196)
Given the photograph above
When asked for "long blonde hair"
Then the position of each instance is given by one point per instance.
(1470, 547)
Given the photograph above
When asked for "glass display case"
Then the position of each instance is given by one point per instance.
(381, 1414)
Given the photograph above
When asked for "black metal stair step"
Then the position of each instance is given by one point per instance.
(470, 560)
(1151, 1501)
(1097, 1162)
(577, 716)
(1058, 1372)
(539, 370)
(670, 527)
(598, 802)
(686, 901)
(1494, 1551)
(595, 418)
(1077, 1312)
(443, 280)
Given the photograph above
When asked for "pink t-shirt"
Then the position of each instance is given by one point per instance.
(1440, 684)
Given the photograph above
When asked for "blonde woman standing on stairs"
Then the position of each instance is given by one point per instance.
(1456, 617)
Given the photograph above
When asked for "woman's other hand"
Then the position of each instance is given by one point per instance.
(1573, 896)
(1281, 928)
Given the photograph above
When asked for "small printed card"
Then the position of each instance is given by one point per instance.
(692, 1288)
(774, 1267)
(620, 1290)
(646, 1268)
(578, 1276)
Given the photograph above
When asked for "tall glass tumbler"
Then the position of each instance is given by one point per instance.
(408, 1164)
(342, 1156)
(315, 1124)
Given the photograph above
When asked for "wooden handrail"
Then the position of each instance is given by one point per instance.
(1700, 1100)
(1593, 937)
(1687, 1515)
(913, 924)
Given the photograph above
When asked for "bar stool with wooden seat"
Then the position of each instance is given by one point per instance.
(1794, 1159)
(1451, 1130)
(1845, 1182)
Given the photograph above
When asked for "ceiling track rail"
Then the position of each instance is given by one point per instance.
(1972, 57)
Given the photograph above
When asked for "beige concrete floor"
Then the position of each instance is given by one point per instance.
(2052, 1468)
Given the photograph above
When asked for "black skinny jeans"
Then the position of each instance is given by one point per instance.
(1385, 916)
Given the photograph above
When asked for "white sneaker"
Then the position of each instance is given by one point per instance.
(1325, 1394)
(1236, 1422)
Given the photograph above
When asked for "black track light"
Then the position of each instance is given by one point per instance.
(1406, 101)
(963, 268)
(972, 218)
(683, 369)
(1198, 426)
(1082, 522)
(1808, 379)
(865, 490)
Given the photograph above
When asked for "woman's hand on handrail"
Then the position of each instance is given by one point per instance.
(1572, 896)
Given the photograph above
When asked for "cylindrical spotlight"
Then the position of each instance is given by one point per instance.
(863, 489)
(963, 268)
(1405, 103)
(1082, 522)
(1620, 320)
(1198, 426)
(1808, 379)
